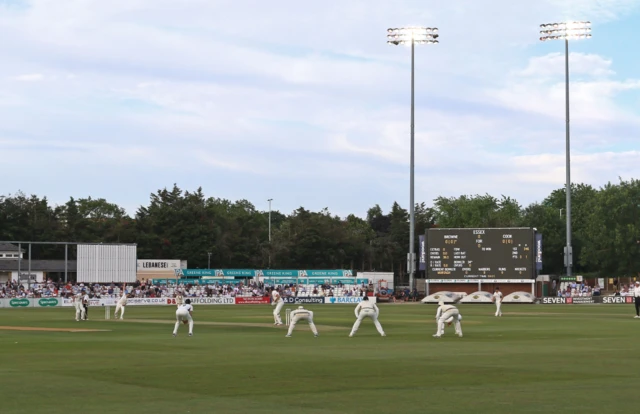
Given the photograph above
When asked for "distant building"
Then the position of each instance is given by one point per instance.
(13, 266)
(10, 251)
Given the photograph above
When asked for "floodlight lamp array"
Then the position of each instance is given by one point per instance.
(565, 30)
(416, 35)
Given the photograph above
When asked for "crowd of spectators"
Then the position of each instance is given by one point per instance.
(626, 290)
(144, 289)
(320, 290)
(576, 289)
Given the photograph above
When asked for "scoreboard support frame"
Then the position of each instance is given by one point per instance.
(479, 282)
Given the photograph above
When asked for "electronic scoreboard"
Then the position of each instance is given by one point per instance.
(491, 253)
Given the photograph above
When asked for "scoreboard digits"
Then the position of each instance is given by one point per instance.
(480, 253)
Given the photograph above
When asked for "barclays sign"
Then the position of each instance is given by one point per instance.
(348, 299)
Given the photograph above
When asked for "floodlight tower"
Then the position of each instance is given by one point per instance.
(566, 31)
(411, 36)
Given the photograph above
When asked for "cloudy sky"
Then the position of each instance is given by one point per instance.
(305, 103)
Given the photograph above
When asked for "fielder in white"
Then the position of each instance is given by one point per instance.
(497, 298)
(448, 314)
(298, 315)
(367, 309)
(183, 314)
(77, 303)
(278, 302)
(122, 303)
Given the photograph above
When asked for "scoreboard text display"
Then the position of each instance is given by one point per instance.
(506, 253)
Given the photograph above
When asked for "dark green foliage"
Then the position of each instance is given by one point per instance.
(188, 225)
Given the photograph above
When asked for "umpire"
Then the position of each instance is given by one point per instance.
(636, 294)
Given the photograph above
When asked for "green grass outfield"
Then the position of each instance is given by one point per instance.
(535, 359)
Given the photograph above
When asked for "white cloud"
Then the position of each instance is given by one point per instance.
(31, 77)
(540, 89)
(602, 10)
(553, 66)
(304, 99)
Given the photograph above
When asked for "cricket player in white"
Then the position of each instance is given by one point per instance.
(447, 314)
(497, 298)
(77, 302)
(278, 302)
(85, 304)
(179, 299)
(122, 303)
(300, 314)
(367, 309)
(183, 314)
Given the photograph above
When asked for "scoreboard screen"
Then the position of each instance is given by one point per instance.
(493, 253)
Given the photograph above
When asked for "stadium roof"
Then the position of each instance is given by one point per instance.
(6, 247)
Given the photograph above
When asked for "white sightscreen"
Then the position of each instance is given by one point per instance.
(106, 263)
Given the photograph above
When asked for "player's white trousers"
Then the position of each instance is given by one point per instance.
(276, 312)
(498, 306)
(181, 316)
(80, 312)
(120, 308)
(366, 313)
(453, 313)
(309, 319)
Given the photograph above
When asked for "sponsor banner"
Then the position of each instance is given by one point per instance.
(262, 273)
(47, 302)
(215, 272)
(304, 300)
(578, 300)
(552, 300)
(610, 300)
(155, 265)
(253, 301)
(500, 281)
(30, 303)
(348, 299)
(316, 281)
(538, 252)
(217, 300)
(582, 300)
(422, 258)
(206, 280)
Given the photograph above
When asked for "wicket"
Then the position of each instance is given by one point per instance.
(288, 313)
(107, 312)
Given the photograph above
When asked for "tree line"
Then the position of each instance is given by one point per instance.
(186, 225)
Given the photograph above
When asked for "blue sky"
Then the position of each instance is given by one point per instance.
(306, 104)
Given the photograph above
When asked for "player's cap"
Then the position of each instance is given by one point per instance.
(637, 281)
(300, 307)
(441, 303)
(188, 301)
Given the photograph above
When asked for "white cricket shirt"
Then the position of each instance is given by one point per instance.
(186, 307)
(276, 297)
